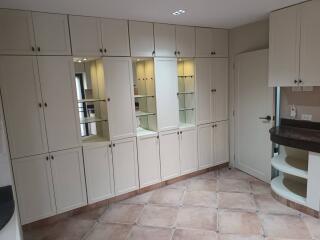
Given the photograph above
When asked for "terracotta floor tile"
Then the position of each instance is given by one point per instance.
(158, 216)
(313, 225)
(267, 204)
(240, 237)
(122, 213)
(194, 234)
(244, 201)
(243, 223)
(167, 196)
(200, 198)
(213, 175)
(180, 184)
(259, 187)
(235, 174)
(146, 233)
(197, 218)
(233, 185)
(202, 185)
(139, 199)
(284, 226)
(103, 231)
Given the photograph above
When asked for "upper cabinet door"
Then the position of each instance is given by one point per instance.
(310, 39)
(220, 42)
(220, 89)
(119, 82)
(164, 40)
(141, 39)
(221, 142)
(85, 36)
(185, 41)
(57, 77)
(204, 42)
(68, 179)
(203, 88)
(166, 76)
(23, 105)
(284, 47)
(16, 31)
(115, 37)
(51, 33)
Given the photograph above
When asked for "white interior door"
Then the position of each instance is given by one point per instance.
(57, 84)
(253, 100)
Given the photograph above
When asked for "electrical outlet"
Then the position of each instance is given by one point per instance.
(306, 117)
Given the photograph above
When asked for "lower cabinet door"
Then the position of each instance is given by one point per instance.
(149, 161)
(124, 153)
(98, 172)
(221, 142)
(169, 155)
(34, 188)
(68, 179)
(188, 151)
(205, 146)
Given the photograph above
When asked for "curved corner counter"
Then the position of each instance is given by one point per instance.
(298, 163)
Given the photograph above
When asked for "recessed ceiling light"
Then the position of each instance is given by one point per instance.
(179, 12)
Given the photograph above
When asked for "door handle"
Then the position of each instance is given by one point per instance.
(268, 118)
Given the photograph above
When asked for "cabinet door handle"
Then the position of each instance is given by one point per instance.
(158, 137)
(295, 81)
(175, 53)
(100, 50)
(113, 145)
(178, 133)
(179, 52)
(52, 157)
(181, 132)
(108, 99)
(213, 90)
(45, 104)
(39, 49)
(300, 81)
(105, 50)
(109, 145)
(47, 158)
(40, 105)
(32, 49)
(153, 52)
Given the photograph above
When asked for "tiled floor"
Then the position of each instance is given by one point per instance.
(219, 205)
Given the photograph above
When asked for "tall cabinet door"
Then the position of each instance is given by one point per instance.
(164, 40)
(99, 172)
(220, 89)
(21, 95)
(205, 146)
(310, 38)
(166, 76)
(16, 31)
(186, 41)
(85, 35)
(119, 89)
(220, 39)
(141, 39)
(51, 33)
(204, 87)
(125, 165)
(221, 142)
(169, 155)
(68, 179)
(33, 182)
(149, 161)
(57, 83)
(188, 151)
(284, 46)
(115, 37)
(204, 40)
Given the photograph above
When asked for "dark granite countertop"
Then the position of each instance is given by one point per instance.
(297, 134)
(6, 205)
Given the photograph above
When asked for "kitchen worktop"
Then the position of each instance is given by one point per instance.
(6, 205)
(297, 134)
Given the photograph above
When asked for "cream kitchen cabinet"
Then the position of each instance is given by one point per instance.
(169, 154)
(16, 31)
(188, 151)
(119, 90)
(125, 165)
(51, 34)
(33, 182)
(166, 76)
(212, 89)
(185, 41)
(141, 39)
(23, 105)
(149, 160)
(294, 50)
(98, 171)
(211, 42)
(164, 40)
(221, 142)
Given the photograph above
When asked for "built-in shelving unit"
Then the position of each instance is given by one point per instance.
(186, 92)
(91, 100)
(144, 96)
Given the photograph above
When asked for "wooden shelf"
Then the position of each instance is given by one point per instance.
(143, 114)
(143, 96)
(292, 166)
(91, 100)
(290, 189)
(92, 120)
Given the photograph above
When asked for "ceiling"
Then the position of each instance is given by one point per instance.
(211, 13)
